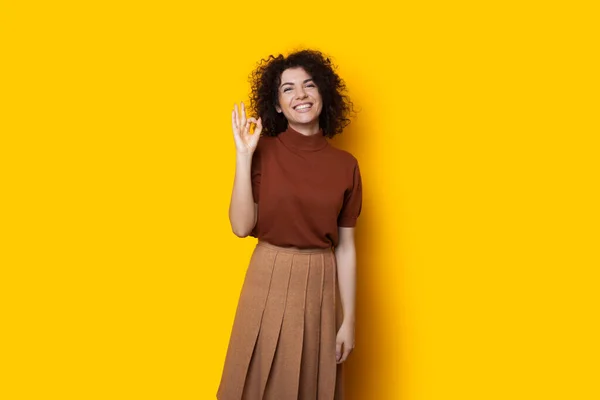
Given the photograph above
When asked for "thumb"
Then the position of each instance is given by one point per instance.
(255, 137)
(259, 126)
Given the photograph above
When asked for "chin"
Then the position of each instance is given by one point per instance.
(309, 118)
(308, 121)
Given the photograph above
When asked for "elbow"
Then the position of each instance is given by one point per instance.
(241, 233)
(240, 230)
(242, 226)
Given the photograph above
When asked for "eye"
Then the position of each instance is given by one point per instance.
(311, 85)
(286, 89)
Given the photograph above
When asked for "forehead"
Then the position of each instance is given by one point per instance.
(297, 74)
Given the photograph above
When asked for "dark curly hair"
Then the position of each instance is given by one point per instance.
(265, 81)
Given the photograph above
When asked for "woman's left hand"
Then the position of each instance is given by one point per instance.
(344, 342)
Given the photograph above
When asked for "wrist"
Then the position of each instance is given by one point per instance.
(243, 158)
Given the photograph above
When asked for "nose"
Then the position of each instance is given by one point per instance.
(301, 93)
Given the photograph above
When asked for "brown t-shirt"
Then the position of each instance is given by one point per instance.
(305, 189)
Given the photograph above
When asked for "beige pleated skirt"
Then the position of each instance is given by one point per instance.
(282, 344)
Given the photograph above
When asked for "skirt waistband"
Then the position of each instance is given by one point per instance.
(268, 245)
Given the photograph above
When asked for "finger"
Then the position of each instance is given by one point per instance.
(247, 127)
(243, 121)
(338, 351)
(233, 121)
(236, 131)
(237, 115)
(346, 354)
(255, 137)
(259, 126)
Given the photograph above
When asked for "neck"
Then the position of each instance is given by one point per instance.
(305, 129)
(300, 141)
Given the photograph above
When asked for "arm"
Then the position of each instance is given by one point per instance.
(242, 208)
(345, 254)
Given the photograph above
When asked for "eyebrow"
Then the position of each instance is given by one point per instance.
(291, 83)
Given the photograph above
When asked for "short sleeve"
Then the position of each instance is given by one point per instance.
(255, 173)
(352, 201)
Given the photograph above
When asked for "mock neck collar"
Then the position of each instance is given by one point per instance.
(292, 138)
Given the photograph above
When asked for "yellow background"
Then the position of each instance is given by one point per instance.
(478, 244)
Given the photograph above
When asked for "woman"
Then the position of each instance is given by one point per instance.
(301, 197)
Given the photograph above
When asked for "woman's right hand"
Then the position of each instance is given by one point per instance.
(245, 143)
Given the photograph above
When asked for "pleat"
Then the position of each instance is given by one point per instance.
(282, 344)
(285, 372)
(312, 332)
(247, 323)
(267, 342)
(327, 362)
(339, 318)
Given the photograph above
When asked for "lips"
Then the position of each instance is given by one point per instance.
(303, 106)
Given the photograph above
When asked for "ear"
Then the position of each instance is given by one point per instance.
(278, 109)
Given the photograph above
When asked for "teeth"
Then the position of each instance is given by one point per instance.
(303, 106)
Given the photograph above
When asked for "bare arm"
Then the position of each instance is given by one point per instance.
(242, 208)
(345, 254)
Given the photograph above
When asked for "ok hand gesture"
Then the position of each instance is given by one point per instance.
(245, 143)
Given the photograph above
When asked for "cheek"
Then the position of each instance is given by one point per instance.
(284, 101)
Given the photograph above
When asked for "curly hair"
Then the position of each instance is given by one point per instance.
(265, 81)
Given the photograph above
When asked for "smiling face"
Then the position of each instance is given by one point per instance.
(299, 98)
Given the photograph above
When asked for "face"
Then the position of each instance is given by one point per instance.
(299, 97)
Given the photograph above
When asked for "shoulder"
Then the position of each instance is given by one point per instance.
(342, 156)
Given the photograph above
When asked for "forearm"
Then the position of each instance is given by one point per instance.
(241, 208)
(346, 272)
